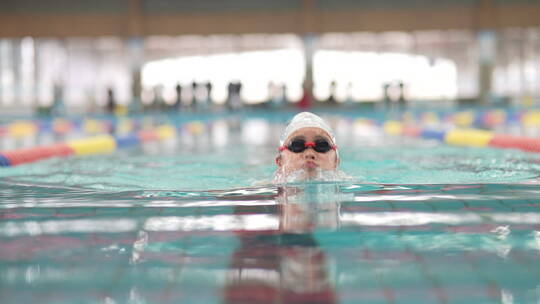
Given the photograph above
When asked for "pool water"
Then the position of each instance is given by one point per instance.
(197, 220)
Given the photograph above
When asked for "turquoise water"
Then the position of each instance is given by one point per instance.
(196, 220)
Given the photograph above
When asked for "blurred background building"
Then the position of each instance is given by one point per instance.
(80, 56)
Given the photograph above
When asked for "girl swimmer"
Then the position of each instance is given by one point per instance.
(307, 151)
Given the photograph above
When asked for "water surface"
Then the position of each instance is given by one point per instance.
(197, 220)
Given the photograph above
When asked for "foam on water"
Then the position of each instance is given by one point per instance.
(314, 175)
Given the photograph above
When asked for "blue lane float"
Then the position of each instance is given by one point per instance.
(4, 162)
(433, 134)
(125, 141)
(479, 119)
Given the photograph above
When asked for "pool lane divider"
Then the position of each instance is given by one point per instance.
(433, 134)
(465, 137)
(94, 145)
(468, 137)
(100, 144)
(21, 156)
(517, 142)
(476, 118)
(24, 128)
(91, 126)
(20, 129)
(4, 162)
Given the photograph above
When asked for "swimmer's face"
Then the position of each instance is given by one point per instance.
(309, 160)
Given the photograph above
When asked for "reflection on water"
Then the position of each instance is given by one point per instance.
(286, 264)
(299, 243)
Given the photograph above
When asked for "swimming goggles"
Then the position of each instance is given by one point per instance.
(300, 145)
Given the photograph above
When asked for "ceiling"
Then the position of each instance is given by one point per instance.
(75, 18)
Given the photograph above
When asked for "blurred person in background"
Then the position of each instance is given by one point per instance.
(178, 101)
(111, 101)
(332, 97)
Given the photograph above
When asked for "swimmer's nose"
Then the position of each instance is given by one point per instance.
(309, 154)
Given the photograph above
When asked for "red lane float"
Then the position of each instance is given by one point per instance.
(147, 135)
(22, 156)
(62, 126)
(411, 131)
(516, 142)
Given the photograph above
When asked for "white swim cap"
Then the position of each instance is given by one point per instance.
(306, 120)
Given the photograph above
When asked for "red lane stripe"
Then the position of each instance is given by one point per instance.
(411, 131)
(22, 156)
(516, 142)
(147, 135)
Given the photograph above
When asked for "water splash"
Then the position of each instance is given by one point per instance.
(318, 175)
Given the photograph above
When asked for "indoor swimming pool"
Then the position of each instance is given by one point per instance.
(189, 213)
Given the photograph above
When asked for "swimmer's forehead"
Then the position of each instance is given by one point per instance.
(305, 120)
(310, 131)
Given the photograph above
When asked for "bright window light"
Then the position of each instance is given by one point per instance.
(254, 69)
(359, 75)
(365, 73)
